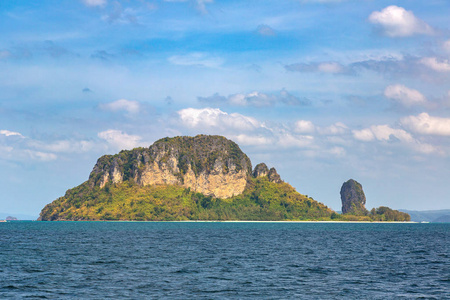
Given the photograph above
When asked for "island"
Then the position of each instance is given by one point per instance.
(190, 178)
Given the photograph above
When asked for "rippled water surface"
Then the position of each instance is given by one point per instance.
(97, 260)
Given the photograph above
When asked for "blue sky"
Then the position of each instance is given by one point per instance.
(323, 90)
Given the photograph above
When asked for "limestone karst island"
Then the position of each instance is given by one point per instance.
(198, 178)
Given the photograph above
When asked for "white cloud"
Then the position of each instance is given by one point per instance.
(94, 2)
(131, 107)
(398, 22)
(335, 129)
(119, 139)
(303, 126)
(249, 140)
(26, 148)
(331, 67)
(288, 140)
(426, 124)
(253, 98)
(365, 135)
(385, 133)
(427, 148)
(10, 133)
(214, 117)
(435, 64)
(403, 95)
(38, 155)
(382, 133)
(196, 59)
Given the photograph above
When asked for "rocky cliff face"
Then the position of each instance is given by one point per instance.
(261, 170)
(353, 198)
(211, 165)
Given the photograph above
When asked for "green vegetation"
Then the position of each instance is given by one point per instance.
(262, 200)
(384, 213)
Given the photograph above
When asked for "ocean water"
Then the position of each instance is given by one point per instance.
(140, 260)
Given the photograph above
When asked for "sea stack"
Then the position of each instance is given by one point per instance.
(353, 198)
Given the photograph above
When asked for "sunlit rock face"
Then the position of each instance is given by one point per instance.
(261, 170)
(211, 165)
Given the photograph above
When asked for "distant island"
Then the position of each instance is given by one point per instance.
(198, 178)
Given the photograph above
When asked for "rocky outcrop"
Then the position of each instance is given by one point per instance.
(211, 165)
(353, 198)
(260, 170)
(273, 176)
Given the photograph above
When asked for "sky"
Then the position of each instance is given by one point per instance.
(322, 90)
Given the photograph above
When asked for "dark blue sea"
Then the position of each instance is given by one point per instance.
(140, 260)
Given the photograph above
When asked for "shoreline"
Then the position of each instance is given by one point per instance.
(243, 221)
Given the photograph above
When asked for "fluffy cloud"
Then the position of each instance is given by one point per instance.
(196, 59)
(255, 98)
(365, 135)
(426, 124)
(335, 129)
(397, 22)
(288, 140)
(403, 95)
(388, 135)
(119, 139)
(24, 148)
(94, 2)
(323, 67)
(303, 126)
(131, 107)
(382, 133)
(215, 118)
(10, 133)
(251, 140)
(435, 64)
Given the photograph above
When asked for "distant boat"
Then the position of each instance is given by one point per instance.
(424, 222)
(2, 220)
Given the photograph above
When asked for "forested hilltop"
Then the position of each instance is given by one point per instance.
(188, 178)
